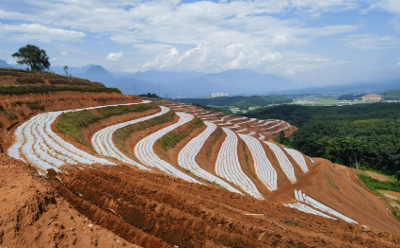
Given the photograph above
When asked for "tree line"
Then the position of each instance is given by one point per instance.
(361, 136)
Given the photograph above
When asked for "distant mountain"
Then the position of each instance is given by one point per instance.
(97, 73)
(377, 86)
(74, 71)
(163, 77)
(4, 64)
(183, 83)
(248, 82)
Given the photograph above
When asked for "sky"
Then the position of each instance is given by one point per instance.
(311, 42)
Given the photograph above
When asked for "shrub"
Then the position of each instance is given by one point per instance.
(35, 106)
(42, 89)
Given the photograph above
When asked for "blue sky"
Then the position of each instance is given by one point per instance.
(310, 42)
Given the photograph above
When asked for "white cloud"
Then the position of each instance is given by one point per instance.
(215, 58)
(29, 32)
(114, 56)
(398, 64)
(364, 42)
(392, 6)
(64, 53)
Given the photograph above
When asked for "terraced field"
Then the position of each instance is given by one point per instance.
(245, 162)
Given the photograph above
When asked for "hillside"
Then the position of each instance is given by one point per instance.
(241, 102)
(106, 170)
(363, 134)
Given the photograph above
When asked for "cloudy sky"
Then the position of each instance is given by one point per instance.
(311, 42)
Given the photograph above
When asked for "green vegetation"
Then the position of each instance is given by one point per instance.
(119, 110)
(214, 138)
(350, 97)
(392, 95)
(362, 135)
(32, 56)
(121, 135)
(376, 184)
(44, 89)
(241, 102)
(223, 109)
(173, 138)
(150, 95)
(72, 123)
(25, 78)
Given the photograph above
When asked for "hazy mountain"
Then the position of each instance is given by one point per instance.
(186, 83)
(4, 64)
(97, 73)
(248, 82)
(74, 71)
(377, 86)
(163, 77)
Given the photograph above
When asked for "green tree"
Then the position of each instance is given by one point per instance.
(32, 56)
(66, 70)
(398, 175)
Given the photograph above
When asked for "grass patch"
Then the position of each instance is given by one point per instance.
(246, 158)
(121, 135)
(173, 138)
(72, 123)
(218, 133)
(120, 110)
(391, 177)
(45, 89)
(376, 184)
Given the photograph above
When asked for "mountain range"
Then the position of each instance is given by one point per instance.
(197, 84)
(185, 83)
(359, 87)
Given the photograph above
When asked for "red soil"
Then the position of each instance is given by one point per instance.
(155, 210)
(378, 176)
(15, 109)
(32, 214)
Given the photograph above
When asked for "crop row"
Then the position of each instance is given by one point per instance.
(187, 158)
(283, 160)
(301, 197)
(145, 153)
(263, 167)
(306, 209)
(228, 166)
(103, 143)
(38, 144)
(298, 157)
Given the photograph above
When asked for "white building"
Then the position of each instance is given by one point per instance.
(213, 95)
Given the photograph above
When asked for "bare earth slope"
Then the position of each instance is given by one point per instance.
(121, 206)
(181, 214)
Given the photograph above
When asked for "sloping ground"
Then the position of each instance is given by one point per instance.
(32, 214)
(24, 78)
(155, 210)
(16, 109)
(339, 187)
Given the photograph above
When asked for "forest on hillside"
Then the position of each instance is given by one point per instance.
(242, 102)
(362, 135)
